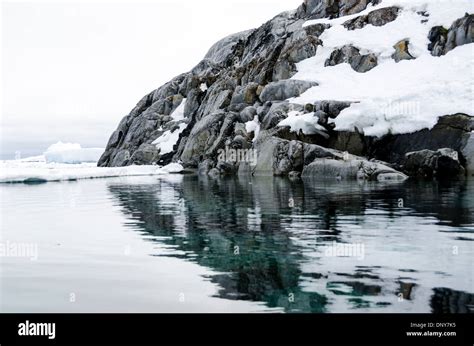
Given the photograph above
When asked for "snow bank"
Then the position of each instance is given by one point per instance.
(394, 97)
(168, 139)
(71, 153)
(19, 171)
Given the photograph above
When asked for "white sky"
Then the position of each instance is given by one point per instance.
(72, 69)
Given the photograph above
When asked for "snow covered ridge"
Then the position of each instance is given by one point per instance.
(393, 97)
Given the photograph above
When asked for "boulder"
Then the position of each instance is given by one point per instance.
(351, 55)
(378, 17)
(443, 40)
(246, 94)
(443, 163)
(401, 51)
(285, 89)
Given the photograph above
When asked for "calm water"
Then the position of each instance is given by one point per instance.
(188, 244)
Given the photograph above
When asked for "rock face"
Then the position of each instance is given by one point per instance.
(231, 104)
(334, 8)
(443, 40)
(285, 89)
(281, 157)
(351, 55)
(378, 17)
(443, 163)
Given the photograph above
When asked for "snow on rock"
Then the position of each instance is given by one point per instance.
(297, 121)
(253, 126)
(394, 97)
(71, 153)
(169, 138)
(19, 171)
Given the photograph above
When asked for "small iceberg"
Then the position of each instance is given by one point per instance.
(71, 153)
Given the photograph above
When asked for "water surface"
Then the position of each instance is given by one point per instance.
(189, 244)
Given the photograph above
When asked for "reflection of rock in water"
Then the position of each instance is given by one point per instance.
(406, 289)
(221, 233)
(242, 228)
(446, 301)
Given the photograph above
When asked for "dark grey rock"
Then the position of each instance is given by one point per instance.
(245, 94)
(351, 55)
(120, 159)
(285, 89)
(146, 154)
(443, 163)
(452, 131)
(444, 40)
(247, 114)
(333, 8)
(378, 17)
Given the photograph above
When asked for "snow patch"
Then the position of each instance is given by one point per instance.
(297, 121)
(168, 139)
(253, 126)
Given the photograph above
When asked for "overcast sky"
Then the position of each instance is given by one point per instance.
(72, 69)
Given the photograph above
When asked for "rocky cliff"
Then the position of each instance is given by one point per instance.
(250, 94)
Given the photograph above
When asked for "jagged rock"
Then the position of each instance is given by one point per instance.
(401, 51)
(218, 97)
(364, 63)
(245, 94)
(206, 134)
(285, 89)
(280, 157)
(277, 112)
(351, 55)
(378, 17)
(452, 131)
(334, 8)
(443, 40)
(245, 77)
(120, 159)
(301, 45)
(146, 154)
(443, 163)
(223, 52)
(247, 114)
